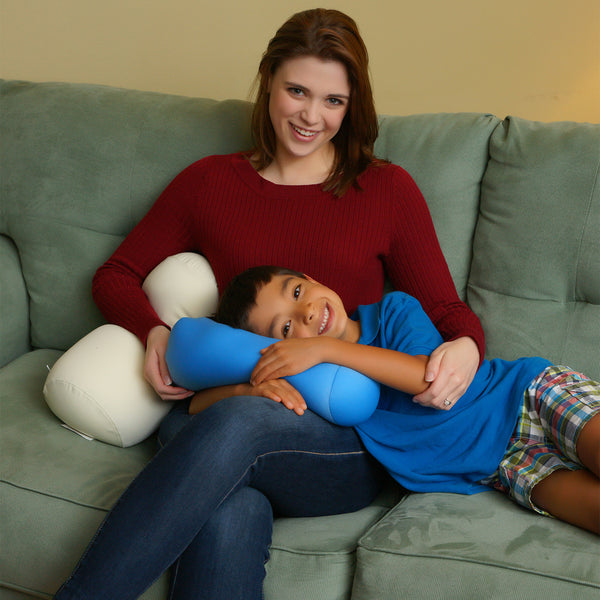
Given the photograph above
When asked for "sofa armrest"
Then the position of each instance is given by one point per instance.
(14, 304)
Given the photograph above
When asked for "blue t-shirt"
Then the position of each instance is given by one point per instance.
(426, 449)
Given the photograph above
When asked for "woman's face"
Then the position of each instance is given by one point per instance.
(308, 101)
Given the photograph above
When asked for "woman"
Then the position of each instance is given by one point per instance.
(311, 196)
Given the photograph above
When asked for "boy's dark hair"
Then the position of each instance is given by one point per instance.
(240, 294)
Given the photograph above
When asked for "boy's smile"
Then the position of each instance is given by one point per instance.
(292, 307)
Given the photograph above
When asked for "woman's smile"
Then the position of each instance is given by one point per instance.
(303, 133)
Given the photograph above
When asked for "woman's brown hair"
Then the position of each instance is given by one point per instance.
(328, 35)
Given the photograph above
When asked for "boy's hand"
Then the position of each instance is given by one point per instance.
(279, 390)
(288, 357)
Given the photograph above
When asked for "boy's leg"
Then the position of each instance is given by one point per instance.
(588, 445)
(555, 441)
(569, 411)
(571, 496)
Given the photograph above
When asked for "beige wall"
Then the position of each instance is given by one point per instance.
(538, 59)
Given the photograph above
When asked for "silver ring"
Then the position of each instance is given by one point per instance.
(447, 402)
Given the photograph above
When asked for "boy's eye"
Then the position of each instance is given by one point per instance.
(297, 292)
(286, 329)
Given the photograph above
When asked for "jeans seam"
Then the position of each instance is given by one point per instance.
(174, 578)
(257, 458)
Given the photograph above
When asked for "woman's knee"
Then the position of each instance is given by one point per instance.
(225, 438)
(228, 413)
(245, 517)
(227, 558)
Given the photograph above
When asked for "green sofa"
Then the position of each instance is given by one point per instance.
(516, 205)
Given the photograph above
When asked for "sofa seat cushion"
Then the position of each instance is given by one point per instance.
(315, 558)
(56, 488)
(470, 547)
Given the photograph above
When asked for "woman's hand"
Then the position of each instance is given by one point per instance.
(287, 357)
(450, 369)
(156, 372)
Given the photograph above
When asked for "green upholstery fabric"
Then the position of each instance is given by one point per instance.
(446, 154)
(315, 558)
(456, 547)
(535, 279)
(83, 165)
(516, 205)
(14, 332)
(59, 486)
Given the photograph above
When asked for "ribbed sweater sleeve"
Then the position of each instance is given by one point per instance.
(417, 266)
(166, 229)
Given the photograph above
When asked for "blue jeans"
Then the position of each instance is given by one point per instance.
(206, 501)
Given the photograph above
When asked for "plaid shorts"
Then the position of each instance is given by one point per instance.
(556, 406)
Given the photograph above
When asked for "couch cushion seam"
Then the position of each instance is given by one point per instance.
(50, 495)
(537, 573)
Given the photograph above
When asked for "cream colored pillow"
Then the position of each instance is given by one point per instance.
(98, 388)
(182, 285)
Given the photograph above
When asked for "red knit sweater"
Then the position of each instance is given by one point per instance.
(220, 207)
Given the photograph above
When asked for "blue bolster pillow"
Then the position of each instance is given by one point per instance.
(203, 353)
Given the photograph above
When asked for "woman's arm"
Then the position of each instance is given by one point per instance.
(389, 367)
(165, 230)
(117, 284)
(416, 265)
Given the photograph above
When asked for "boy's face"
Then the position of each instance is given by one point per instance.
(292, 307)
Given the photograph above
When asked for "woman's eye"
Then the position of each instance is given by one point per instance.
(335, 101)
(296, 91)
(296, 292)
(286, 329)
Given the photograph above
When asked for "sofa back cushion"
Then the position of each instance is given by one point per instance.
(81, 165)
(535, 278)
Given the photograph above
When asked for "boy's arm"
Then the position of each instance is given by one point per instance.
(278, 390)
(205, 398)
(389, 367)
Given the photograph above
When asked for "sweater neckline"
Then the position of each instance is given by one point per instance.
(250, 176)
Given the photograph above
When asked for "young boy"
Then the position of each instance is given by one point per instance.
(525, 427)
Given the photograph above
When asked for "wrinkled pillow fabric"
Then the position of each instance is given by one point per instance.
(97, 387)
